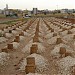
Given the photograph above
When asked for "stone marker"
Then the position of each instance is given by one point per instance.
(17, 39)
(69, 32)
(52, 30)
(33, 49)
(30, 69)
(21, 34)
(72, 27)
(35, 39)
(74, 37)
(68, 54)
(36, 34)
(24, 30)
(10, 46)
(64, 29)
(10, 31)
(2, 29)
(14, 28)
(55, 34)
(59, 40)
(4, 50)
(30, 61)
(62, 50)
(6, 27)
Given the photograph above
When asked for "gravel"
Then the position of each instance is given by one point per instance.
(48, 36)
(26, 49)
(65, 65)
(26, 33)
(73, 30)
(68, 37)
(43, 28)
(8, 35)
(52, 40)
(14, 32)
(3, 58)
(19, 29)
(3, 39)
(15, 45)
(49, 31)
(63, 33)
(40, 39)
(6, 30)
(22, 38)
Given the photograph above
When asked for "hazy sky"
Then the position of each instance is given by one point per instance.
(40, 4)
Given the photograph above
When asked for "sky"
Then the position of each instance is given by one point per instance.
(40, 4)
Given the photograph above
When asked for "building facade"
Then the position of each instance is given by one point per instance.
(35, 11)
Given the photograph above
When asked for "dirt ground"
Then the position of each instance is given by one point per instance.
(17, 55)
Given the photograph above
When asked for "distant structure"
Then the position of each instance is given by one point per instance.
(67, 10)
(35, 11)
(6, 11)
(46, 11)
(29, 13)
(6, 6)
(1, 11)
(64, 11)
(10, 12)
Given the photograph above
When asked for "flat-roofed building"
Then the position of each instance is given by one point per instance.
(35, 11)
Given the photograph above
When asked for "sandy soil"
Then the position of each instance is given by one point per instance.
(16, 56)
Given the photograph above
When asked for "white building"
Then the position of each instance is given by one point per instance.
(35, 11)
(6, 6)
(6, 11)
(64, 11)
(29, 13)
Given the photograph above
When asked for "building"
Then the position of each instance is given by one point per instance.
(35, 11)
(46, 11)
(1, 11)
(64, 11)
(67, 10)
(29, 13)
(6, 6)
(6, 11)
(70, 10)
